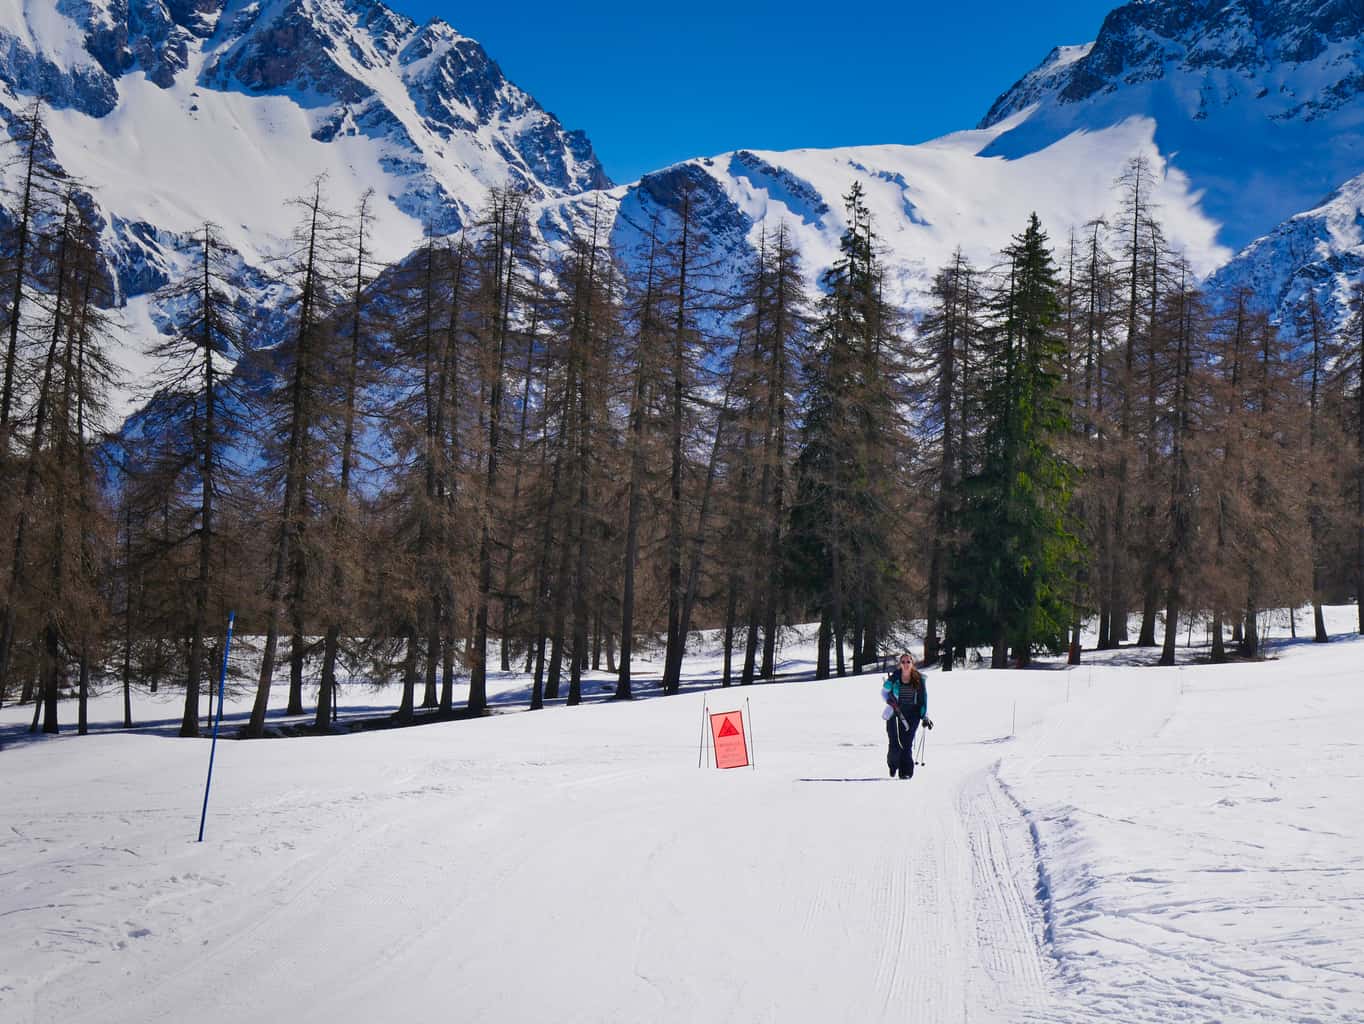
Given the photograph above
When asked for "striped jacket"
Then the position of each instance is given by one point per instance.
(911, 698)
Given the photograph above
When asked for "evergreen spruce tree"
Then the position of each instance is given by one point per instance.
(1011, 581)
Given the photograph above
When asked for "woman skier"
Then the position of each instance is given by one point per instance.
(906, 699)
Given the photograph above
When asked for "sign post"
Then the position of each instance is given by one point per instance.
(730, 735)
(213, 747)
(729, 739)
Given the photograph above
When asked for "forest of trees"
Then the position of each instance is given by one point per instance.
(551, 456)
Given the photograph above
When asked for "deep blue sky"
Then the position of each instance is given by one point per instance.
(656, 82)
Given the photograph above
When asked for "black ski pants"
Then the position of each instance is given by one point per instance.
(900, 756)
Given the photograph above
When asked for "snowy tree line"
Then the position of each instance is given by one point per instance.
(549, 456)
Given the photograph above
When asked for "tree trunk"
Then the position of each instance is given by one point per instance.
(430, 697)
(999, 654)
(326, 692)
(406, 708)
(447, 674)
(52, 663)
(822, 657)
(1250, 641)
(1167, 650)
(298, 646)
(1149, 606)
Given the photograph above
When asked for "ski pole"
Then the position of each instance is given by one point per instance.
(923, 746)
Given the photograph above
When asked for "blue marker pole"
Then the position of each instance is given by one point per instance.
(222, 686)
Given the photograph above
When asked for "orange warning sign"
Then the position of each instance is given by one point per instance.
(731, 749)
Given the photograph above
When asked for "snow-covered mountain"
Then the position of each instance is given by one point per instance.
(1319, 251)
(926, 200)
(181, 111)
(1259, 102)
(175, 111)
(1251, 111)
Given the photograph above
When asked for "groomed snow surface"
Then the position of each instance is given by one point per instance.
(1113, 842)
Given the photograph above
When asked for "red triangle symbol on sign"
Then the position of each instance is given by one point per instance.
(728, 728)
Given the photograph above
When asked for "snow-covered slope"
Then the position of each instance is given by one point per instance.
(1252, 110)
(925, 200)
(1319, 252)
(174, 112)
(1113, 842)
(1259, 102)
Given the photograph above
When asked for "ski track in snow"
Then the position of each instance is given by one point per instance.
(1210, 869)
(1137, 852)
(584, 881)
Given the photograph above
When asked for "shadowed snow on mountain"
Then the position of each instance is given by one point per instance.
(1257, 101)
(1319, 252)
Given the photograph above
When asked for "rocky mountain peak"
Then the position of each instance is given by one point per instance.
(1239, 47)
(1317, 253)
(1256, 101)
(437, 122)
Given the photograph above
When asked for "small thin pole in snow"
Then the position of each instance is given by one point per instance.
(752, 753)
(1013, 729)
(701, 747)
(213, 747)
